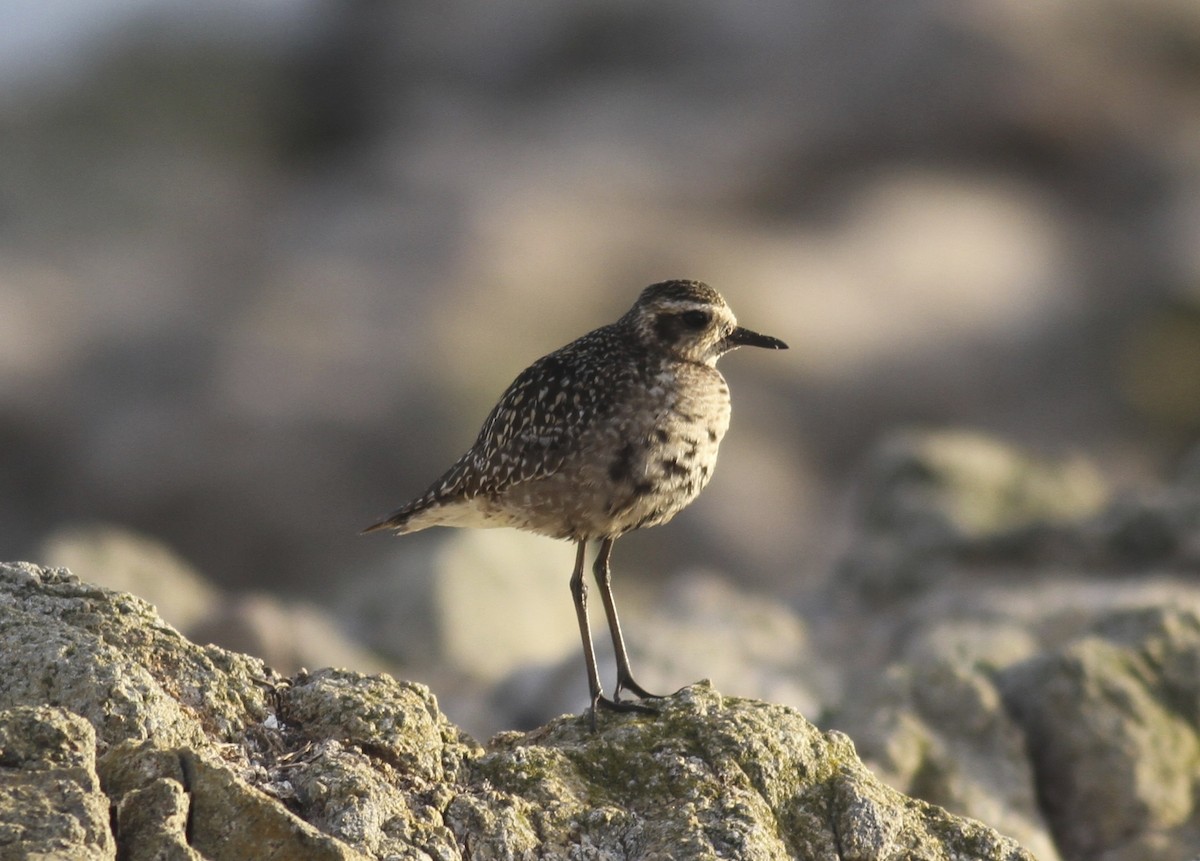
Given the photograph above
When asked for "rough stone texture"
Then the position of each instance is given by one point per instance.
(287, 635)
(740, 779)
(1113, 725)
(108, 658)
(152, 823)
(51, 805)
(123, 560)
(1036, 669)
(204, 754)
(938, 730)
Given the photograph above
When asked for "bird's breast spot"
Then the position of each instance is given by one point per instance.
(672, 466)
(622, 466)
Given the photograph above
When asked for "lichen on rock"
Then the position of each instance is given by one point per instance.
(201, 753)
(51, 805)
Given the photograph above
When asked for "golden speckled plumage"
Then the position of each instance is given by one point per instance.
(616, 431)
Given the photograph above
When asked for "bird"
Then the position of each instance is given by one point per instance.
(614, 432)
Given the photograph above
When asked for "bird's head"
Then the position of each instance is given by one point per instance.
(691, 321)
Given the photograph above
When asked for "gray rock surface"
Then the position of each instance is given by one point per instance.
(206, 754)
(929, 497)
(51, 805)
(939, 730)
(700, 626)
(287, 635)
(1083, 744)
(1035, 669)
(1113, 727)
(480, 601)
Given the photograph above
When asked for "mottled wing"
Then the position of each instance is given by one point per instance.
(538, 422)
(542, 416)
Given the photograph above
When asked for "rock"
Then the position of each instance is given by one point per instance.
(119, 559)
(1159, 526)
(380, 762)
(228, 819)
(937, 729)
(701, 627)
(118, 664)
(152, 823)
(203, 753)
(184, 803)
(1002, 702)
(705, 627)
(739, 778)
(1034, 668)
(484, 602)
(962, 484)
(51, 805)
(1113, 726)
(930, 495)
(933, 502)
(1079, 740)
(287, 635)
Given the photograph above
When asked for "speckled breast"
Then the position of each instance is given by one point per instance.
(639, 467)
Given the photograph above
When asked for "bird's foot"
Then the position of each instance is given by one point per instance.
(599, 701)
(616, 705)
(626, 683)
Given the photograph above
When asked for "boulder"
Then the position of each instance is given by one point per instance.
(51, 805)
(287, 634)
(1112, 721)
(701, 626)
(126, 561)
(206, 754)
(938, 729)
(478, 601)
(929, 498)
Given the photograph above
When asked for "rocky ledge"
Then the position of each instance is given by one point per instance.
(119, 738)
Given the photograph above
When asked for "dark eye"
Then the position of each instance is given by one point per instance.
(695, 319)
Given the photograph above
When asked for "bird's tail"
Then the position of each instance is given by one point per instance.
(397, 520)
(412, 517)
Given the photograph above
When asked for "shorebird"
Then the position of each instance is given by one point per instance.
(616, 431)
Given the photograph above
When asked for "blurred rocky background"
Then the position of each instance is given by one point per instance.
(265, 267)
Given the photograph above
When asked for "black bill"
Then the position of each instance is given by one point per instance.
(740, 337)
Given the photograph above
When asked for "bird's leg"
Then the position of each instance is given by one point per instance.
(579, 593)
(603, 574)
